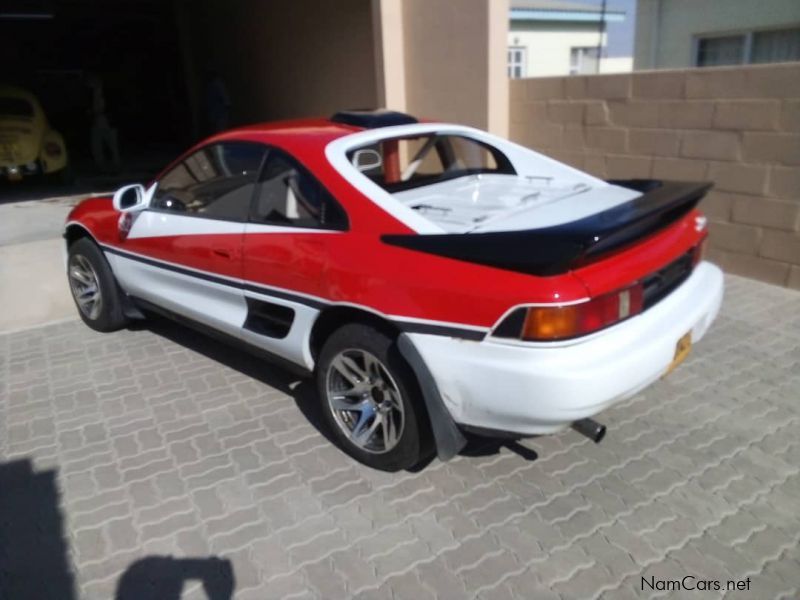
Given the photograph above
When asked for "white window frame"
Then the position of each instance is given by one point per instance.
(747, 34)
(522, 63)
(582, 52)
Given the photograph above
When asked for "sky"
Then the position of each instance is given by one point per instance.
(620, 35)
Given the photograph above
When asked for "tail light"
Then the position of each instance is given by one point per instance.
(699, 252)
(52, 149)
(552, 323)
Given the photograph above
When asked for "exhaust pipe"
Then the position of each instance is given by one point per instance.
(591, 429)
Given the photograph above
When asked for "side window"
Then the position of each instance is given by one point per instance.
(289, 195)
(215, 182)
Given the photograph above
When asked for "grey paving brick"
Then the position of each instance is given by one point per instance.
(122, 535)
(163, 509)
(143, 494)
(326, 581)
(90, 544)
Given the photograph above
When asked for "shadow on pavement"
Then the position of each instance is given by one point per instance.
(302, 390)
(34, 559)
(163, 578)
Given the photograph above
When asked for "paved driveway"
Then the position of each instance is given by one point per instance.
(156, 457)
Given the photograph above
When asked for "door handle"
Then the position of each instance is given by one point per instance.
(223, 252)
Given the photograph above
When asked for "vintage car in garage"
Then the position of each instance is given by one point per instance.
(28, 146)
(434, 279)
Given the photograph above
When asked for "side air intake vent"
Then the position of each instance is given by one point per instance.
(371, 119)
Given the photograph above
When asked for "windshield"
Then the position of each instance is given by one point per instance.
(15, 107)
(398, 164)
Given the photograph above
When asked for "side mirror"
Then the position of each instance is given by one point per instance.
(130, 198)
(367, 159)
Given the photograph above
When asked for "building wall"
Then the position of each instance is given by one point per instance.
(549, 44)
(446, 59)
(736, 126)
(617, 64)
(665, 28)
(283, 58)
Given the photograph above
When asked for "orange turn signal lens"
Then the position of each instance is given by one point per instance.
(549, 323)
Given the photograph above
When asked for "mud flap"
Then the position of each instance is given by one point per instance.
(448, 437)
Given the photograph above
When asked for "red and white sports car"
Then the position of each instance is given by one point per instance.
(434, 278)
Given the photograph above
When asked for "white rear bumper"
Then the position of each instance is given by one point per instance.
(541, 388)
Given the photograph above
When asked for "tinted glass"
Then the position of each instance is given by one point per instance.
(289, 195)
(215, 182)
(776, 46)
(15, 107)
(717, 51)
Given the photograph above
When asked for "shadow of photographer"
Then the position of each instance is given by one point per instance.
(164, 578)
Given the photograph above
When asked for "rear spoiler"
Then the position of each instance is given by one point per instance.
(558, 249)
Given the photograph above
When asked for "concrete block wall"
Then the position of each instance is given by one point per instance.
(736, 126)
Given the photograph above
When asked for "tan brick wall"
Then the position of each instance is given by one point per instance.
(736, 126)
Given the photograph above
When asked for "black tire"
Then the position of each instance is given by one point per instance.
(415, 441)
(110, 315)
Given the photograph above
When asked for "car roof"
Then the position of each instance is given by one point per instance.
(314, 129)
(319, 130)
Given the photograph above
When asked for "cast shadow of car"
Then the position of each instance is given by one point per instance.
(301, 390)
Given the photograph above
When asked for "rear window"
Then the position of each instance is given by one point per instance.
(15, 107)
(403, 163)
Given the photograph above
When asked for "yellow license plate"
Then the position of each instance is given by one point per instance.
(682, 349)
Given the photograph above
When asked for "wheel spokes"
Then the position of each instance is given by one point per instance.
(389, 431)
(80, 275)
(85, 286)
(362, 433)
(347, 368)
(343, 402)
(365, 400)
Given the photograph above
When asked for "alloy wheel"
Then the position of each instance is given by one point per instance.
(365, 401)
(85, 286)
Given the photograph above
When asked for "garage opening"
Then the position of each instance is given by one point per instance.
(142, 80)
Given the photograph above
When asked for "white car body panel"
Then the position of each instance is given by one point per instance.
(489, 202)
(536, 389)
(215, 305)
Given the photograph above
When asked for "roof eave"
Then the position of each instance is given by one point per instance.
(590, 16)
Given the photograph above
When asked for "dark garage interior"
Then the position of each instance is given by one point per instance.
(157, 63)
(132, 47)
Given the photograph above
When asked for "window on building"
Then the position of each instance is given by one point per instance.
(775, 46)
(718, 51)
(517, 62)
(770, 46)
(583, 60)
